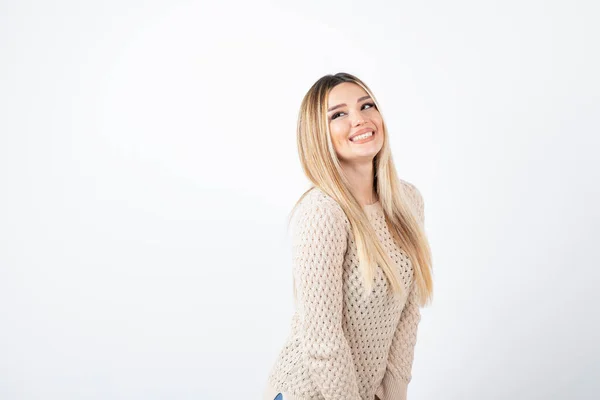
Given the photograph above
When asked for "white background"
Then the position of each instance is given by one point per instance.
(148, 164)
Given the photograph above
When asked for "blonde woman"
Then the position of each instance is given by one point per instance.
(361, 259)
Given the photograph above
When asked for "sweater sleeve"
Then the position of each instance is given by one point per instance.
(319, 247)
(394, 385)
(398, 375)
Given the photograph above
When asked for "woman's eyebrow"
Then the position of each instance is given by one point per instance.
(343, 104)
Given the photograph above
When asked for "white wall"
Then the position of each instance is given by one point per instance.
(148, 163)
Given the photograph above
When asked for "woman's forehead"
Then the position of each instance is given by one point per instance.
(346, 91)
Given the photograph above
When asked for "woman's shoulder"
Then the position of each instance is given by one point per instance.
(407, 185)
(316, 197)
(412, 191)
(315, 202)
(414, 196)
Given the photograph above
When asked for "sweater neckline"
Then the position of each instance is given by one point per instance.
(371, 206)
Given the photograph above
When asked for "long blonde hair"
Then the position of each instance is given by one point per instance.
(322, 167)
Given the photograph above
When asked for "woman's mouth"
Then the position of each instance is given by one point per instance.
(363, 137)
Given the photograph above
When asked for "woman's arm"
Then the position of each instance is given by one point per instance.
(399, 366)
(400, 360)
(319, 247)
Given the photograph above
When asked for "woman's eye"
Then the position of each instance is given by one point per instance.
(338, 114)
(371, 105)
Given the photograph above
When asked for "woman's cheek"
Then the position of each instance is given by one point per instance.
(338, 132)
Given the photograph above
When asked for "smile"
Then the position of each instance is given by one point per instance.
(363, 138)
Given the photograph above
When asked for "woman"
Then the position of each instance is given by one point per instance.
(361, 260)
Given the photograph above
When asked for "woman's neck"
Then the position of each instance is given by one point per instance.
(360, 177)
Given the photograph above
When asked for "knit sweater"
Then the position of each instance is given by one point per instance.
(343, 345)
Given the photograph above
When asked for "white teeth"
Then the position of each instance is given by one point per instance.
(363, 136)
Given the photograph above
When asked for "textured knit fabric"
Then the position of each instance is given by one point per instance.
(343, 345)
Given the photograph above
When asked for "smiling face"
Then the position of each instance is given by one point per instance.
(352, 113)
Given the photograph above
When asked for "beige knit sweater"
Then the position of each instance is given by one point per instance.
(343, 346)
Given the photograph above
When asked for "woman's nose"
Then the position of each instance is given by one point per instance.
(358, 121)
